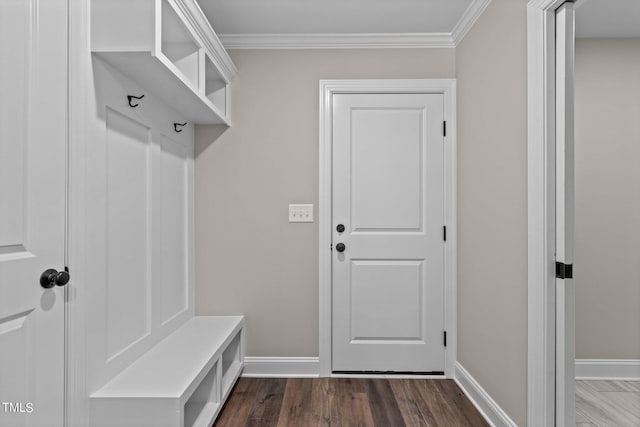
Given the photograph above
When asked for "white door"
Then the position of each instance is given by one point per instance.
(33, 168)
(388, 263)
(565, 289)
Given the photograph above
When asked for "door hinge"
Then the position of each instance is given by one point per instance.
(331, 247)
(444, 338)
(444, 128)
(564, 271)
(444, 233)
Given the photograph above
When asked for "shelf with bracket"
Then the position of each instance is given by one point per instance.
(169, 48)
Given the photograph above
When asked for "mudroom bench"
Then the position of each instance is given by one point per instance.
(183, 381)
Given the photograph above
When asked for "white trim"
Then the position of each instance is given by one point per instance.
(447, 87)
(469, 17)
(484, 403)
(336, 41)
(608, 369)
(564, 196)
(305, 367)
(281, 367)
(390, 376)
(541, 212)
(359, 40)
(200, 24)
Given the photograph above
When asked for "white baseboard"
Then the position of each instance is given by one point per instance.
(608, 369)
(489, 409)
(281, 367)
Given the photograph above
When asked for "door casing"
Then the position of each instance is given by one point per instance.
(541, 209)
(565, 217)
(446, 87)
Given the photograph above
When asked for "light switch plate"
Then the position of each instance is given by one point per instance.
(301, 213)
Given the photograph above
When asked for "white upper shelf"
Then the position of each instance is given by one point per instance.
(170, 49)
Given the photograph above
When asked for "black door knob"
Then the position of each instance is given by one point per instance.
(340, 247)
(340, 228)
(51, 277)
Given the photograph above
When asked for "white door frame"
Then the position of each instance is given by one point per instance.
(446, 87)
(565, 218)
(541, 354)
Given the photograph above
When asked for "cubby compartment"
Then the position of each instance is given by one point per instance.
(231, 363)
(169, 48)
(179, 46)
(182, 381)
(216, 88)
(203, 404)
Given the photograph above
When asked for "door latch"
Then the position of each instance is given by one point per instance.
(564, 271)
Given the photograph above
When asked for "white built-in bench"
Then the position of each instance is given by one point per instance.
(181, 382)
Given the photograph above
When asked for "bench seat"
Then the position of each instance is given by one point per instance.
(183, 381)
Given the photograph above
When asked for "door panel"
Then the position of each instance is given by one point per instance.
(388, 189)
(33, 124)
(385, 302)
(379, 171)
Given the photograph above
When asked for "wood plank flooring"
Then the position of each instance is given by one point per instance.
(301, 402)
(603, 403)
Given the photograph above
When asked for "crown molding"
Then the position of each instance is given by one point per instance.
(212, 44)
(359, 40)
(468, 18)
(541, 4)
(336, 41)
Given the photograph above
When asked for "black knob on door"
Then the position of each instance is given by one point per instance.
(51, 277)
(340, 228)
(340, 247)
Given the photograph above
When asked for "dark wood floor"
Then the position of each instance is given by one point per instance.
(301, 402)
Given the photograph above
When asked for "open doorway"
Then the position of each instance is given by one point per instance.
(607, 208)
(552, 159)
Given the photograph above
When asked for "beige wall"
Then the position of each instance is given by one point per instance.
(249, 259)
(607, 255)
(492, 204)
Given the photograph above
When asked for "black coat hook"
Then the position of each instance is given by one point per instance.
(175, 126)
(130, 97)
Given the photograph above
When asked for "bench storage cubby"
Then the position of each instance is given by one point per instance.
(182, 381)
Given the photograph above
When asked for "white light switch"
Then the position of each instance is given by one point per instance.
(301, 213)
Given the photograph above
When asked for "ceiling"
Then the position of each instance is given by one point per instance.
(355, 23)
(608, 19)
(333, 16)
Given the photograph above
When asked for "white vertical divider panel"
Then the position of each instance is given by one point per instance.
(565, 288)
(156, 227)
(174, 229)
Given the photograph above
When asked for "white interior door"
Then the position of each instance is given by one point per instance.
(388, 262)
(565, 289)
(33, 122)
